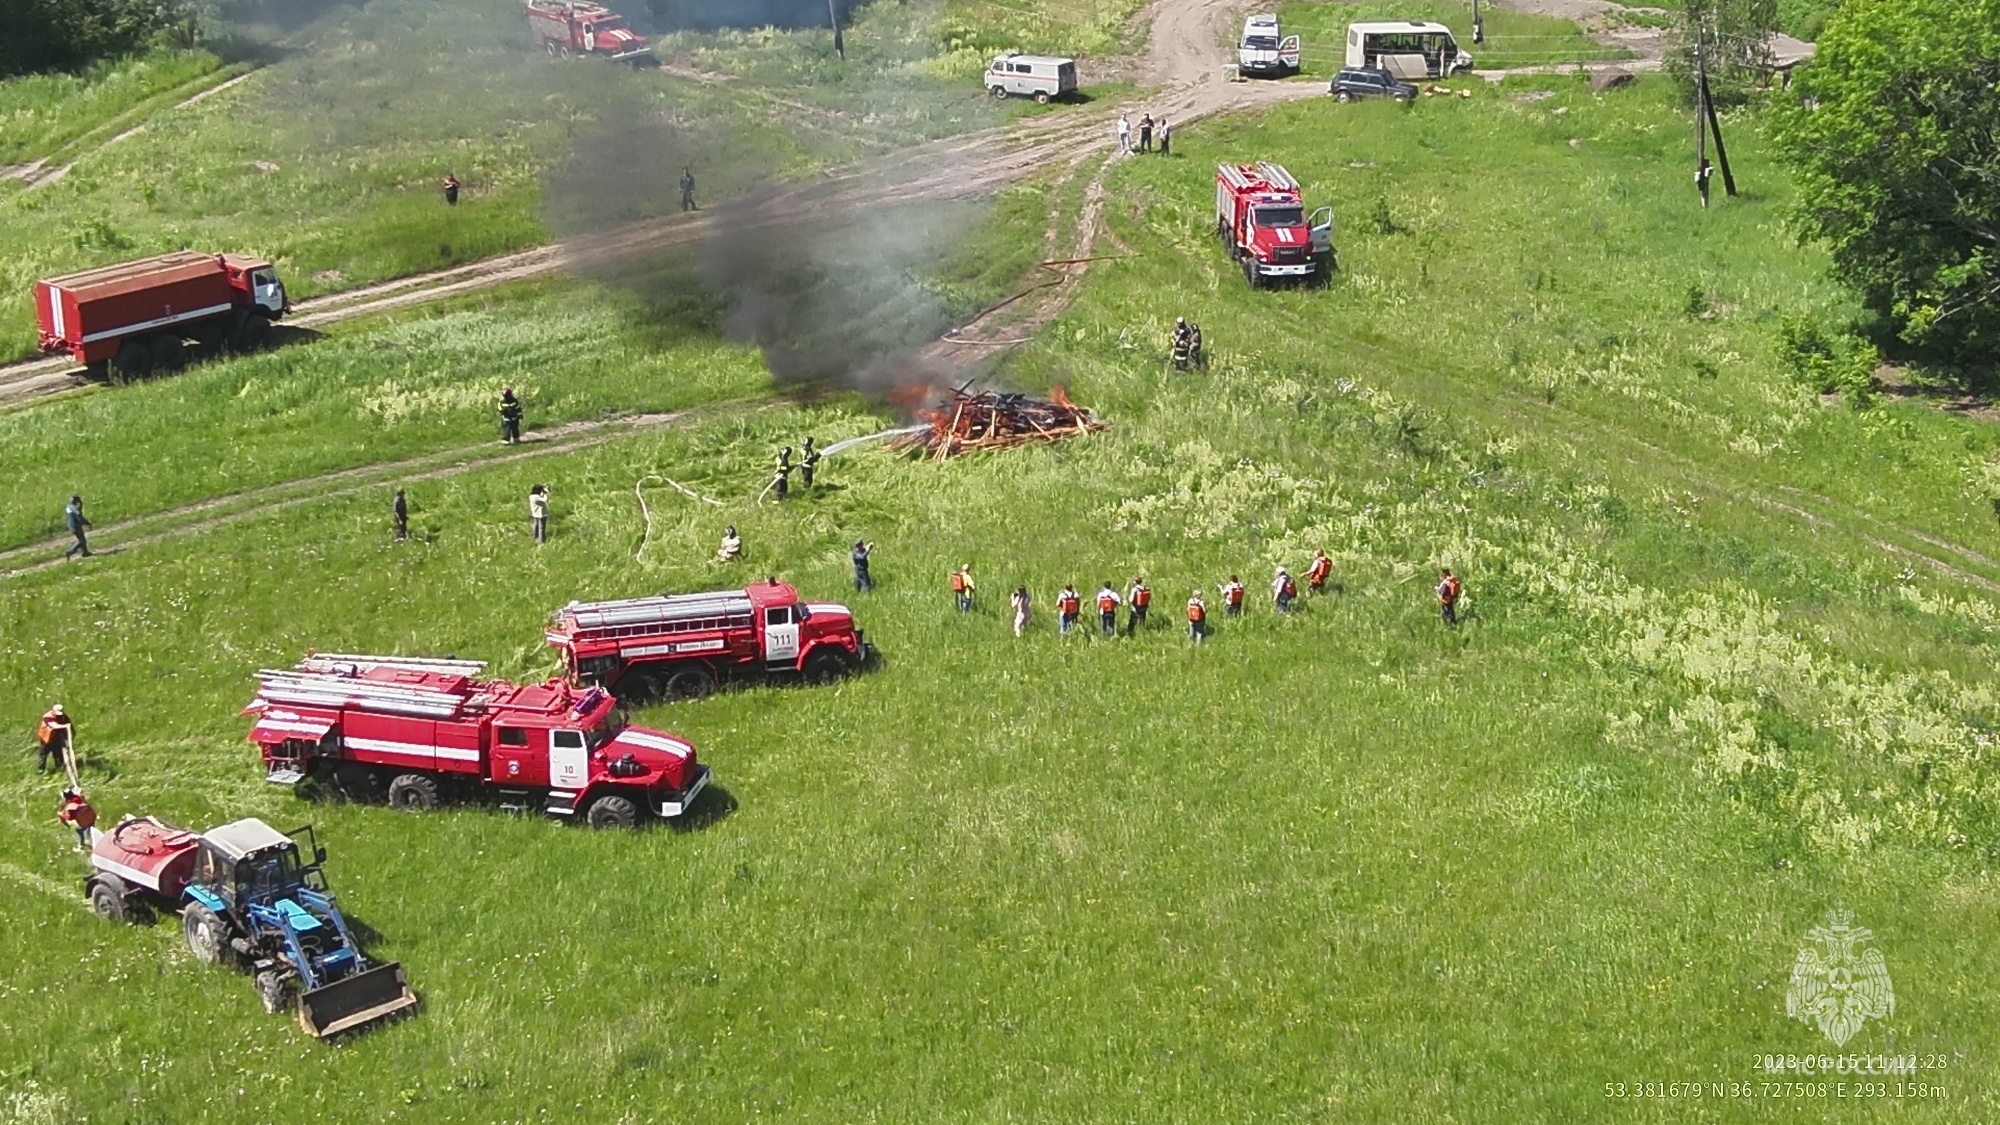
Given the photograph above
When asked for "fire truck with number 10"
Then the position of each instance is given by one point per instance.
(423, 727)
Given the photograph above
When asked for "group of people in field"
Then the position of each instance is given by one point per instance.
(1136, 602)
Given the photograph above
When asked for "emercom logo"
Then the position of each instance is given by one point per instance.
(1839, 982)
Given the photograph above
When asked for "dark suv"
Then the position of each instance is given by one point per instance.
(1370, 82)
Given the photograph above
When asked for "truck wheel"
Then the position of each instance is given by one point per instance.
(612, 812)
(1041, 97)
(271, 991)
(413, 792)
(168, 354)
(824, 666)
(204, 934)
(999, 93)
(689, 683)
(549, 45)
(107, 898)
(1250, 273)
(249, 332)
(1343, 96)
(133, 361)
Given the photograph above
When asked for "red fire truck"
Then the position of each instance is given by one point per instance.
(578, 27)
(424, 727)
(682, 645)
(1261, 218)
(134, 318)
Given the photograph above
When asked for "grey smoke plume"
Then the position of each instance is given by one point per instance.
(827, 279)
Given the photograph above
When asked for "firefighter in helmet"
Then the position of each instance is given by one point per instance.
(781, 483)
(808, 463)
(510, 417)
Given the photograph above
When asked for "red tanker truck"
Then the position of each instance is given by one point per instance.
(135, 318)
(682, 645)
(578, 27)
(416, 729)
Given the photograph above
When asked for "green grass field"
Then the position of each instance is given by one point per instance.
(1347, 866)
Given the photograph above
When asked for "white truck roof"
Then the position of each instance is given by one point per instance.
(1052, 60)
(242, 837)
(1377, 27)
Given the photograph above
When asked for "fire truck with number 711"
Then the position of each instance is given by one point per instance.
(416, 729)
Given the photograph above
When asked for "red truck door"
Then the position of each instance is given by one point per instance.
(519, 757)
(569, 760)
(781, 636)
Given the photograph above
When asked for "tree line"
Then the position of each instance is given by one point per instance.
(44, 35)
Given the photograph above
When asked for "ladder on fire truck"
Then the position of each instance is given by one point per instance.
(668, 613)
(331, 680)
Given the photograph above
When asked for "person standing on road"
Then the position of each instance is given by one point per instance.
(808, 463)
(962, 587)
(1449, 589)
(510, 417)
(1232, 597)
(687, 189)
(863, 583)
(399, 511)
(1069, 606)
(1107, 609)
(1124, 134)
(52, 738)
(1146, 133)
(1166, 138)
(538, 512)
(1197, 615)
(77, 813)
(1140, 599)
(73, 519)
(1283, 590)
(1021, 602)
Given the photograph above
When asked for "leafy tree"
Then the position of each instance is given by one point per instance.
(1893, 136)
(1736, 35)
(68, 34)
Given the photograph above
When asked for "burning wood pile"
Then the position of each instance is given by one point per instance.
(989, 420)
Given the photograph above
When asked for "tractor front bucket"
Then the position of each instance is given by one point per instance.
(356, 999)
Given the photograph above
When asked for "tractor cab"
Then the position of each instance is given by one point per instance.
(248, 862)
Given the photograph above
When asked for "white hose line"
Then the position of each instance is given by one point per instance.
(639, 490)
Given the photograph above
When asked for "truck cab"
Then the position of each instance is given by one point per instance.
(258, 281)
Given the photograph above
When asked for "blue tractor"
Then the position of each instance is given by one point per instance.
(249, 896)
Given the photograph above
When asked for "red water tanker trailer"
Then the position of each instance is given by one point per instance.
(135, 318)
(682, 645)
(250, 897)
(415, 729)
(1261, 217)
(578, 27)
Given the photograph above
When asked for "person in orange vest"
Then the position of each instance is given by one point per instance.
(1107, 609)
(1283, 590)
(1232, 597)
(1449, 589)
(1317, 574)
(1197, 613)
(962, 587)
(1140, 598)
(53, 737)
(1069, 606)
(77, 813)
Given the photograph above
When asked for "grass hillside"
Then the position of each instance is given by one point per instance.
(1343, 866)
(328, 159)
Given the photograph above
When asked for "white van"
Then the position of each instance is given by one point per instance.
(1266, 50)
(1408, 49)
(1040, 77)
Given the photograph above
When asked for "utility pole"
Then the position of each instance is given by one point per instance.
(1478, 25)
(833, 17)
(1706, 122)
